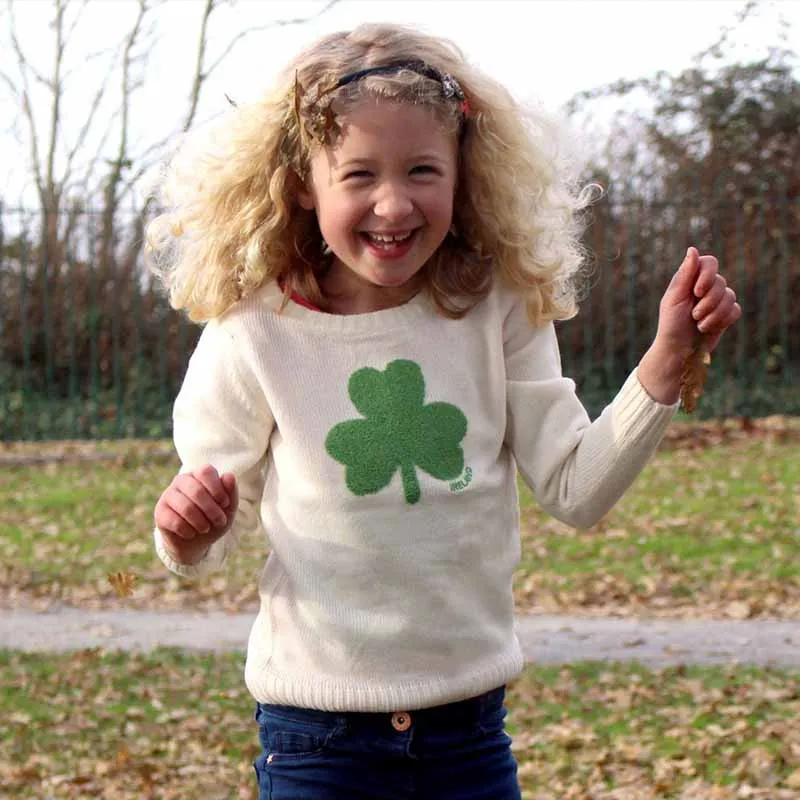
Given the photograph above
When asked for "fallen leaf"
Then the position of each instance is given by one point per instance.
(739, 610)
(793, 780)
(122, 583)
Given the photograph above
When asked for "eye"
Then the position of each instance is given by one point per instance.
(357, 173)
(424, 169)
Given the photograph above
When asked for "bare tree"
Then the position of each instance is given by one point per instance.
(78, 292)
(98, 165)
(53, 158)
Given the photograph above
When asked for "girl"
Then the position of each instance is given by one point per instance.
(379, 249)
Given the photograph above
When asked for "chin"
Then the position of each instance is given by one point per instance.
(394, 282)
(389, 284)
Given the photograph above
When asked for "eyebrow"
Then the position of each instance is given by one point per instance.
(364, 162)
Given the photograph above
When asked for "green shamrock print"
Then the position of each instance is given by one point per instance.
(399, 431)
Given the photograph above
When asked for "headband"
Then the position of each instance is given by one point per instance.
(451, 89)
(322, 121)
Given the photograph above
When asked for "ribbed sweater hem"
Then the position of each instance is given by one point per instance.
(347, 694)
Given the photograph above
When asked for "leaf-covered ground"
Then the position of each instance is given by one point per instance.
(710, 529)
(171, 725)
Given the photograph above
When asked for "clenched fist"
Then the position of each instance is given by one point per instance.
(195, 510)
(697, 300)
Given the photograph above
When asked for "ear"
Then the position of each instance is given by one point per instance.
(300, 190)
(305, 197)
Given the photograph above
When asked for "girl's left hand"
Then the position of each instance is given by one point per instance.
(697, 299)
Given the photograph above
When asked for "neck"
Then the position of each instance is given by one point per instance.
(365, 298)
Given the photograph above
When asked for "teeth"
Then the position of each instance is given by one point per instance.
(388, 239)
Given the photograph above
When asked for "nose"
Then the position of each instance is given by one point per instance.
(393, 202)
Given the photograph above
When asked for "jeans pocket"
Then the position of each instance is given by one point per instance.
(290, 734)
(291, 744)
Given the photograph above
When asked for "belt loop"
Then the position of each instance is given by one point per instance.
(492, 697)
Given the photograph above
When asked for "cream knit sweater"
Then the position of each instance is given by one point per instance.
(378, 453)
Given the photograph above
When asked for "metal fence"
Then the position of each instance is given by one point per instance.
(90, 349)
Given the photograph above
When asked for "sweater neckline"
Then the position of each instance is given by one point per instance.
(271, 295)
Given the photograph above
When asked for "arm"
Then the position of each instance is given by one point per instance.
(221, 420)
(577, 469)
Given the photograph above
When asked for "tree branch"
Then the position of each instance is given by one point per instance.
(24, 96)
(280, 23)
(111, 192)
(91, 57)
(55, 115)
(13, 88)
(76, 20)
(80, 140)
(98, 153)
(199, 77)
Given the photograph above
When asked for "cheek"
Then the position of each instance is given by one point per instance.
(337, 220)
(440, 208)
(351, 212)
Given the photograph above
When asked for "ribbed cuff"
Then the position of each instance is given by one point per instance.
(637, 416)
(210, 561)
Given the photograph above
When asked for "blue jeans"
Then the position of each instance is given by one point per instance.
(458, 751)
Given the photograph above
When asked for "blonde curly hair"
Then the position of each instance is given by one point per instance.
(233, 221)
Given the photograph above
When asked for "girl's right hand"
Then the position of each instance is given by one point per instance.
(195, 510)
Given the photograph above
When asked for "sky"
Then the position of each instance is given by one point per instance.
(542, 50)
(547, 49)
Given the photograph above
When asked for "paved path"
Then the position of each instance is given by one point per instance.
(546, 639)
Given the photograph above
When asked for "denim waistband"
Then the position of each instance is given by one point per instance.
(460, 712)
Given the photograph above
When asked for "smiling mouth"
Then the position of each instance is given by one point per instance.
(387, 241)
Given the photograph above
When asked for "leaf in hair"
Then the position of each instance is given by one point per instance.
(695, 372)
(322, 123)
(298, 94)
(330, 124)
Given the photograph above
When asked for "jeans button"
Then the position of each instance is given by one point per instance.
(401, 721)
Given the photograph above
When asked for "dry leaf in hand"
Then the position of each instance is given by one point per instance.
(122, 583)
(695, 372)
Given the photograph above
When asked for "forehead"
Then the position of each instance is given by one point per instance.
(390, 126)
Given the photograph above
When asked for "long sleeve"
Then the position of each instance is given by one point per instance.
(577, 469)
(220, 418)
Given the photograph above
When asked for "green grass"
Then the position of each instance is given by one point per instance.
(92, 724)
(109, 725)
(65, 526)
(711, 530)
(698, 530)
(692, 730)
